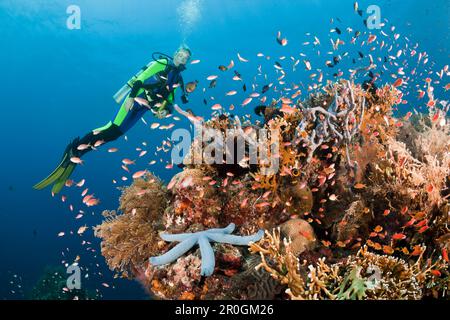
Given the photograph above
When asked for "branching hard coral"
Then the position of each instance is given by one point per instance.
(278, 260)
(394, 278)
(202, 239)
(364, 275)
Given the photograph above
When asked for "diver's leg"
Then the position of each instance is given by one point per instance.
(123, 121)
(128, 120)
(108, 133)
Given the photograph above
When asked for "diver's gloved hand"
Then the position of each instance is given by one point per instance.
(162, 111)
(161, 114)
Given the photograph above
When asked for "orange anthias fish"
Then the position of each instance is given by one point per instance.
(127, 162)
(287, 109)
(398, 236)
(445, 254)
(76, 160)
(398, 82)
(139, 174)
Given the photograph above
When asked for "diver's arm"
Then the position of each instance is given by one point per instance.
(184, 97)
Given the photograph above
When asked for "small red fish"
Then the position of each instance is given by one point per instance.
(69, 183)
(246, 101)
(98, 143)
(76, 160)
(407, 116)
(436, 273)
(262, 204)
(142, 153)
(127, 162)
(410, 223)
(92, 202)
(139, 174)
(435, 117)
(225, 182)
(266, 194)
(398, 236)
(371, 39)
(398, 82)
(445, 254)
(417, 250)
(287, 109)
(422, 223)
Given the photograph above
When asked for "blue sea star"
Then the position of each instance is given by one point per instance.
(203, 239)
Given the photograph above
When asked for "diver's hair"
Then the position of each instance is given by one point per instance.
(184, 47)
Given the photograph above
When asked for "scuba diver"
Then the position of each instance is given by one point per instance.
(152, 88)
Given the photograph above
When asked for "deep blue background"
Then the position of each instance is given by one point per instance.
(57, 84)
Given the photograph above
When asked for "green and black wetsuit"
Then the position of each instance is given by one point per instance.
(156, 84)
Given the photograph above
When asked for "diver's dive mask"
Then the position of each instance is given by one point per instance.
(181, 57)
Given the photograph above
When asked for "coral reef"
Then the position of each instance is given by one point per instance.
(358, 207)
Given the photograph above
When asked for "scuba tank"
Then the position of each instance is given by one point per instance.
(125, 90)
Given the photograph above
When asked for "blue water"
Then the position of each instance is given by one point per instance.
(57, 84)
